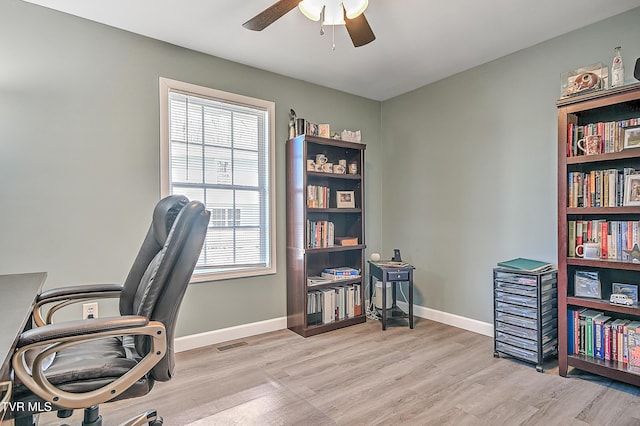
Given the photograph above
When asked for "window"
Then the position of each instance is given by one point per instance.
(218, 147)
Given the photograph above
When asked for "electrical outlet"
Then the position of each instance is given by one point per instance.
(90, 310)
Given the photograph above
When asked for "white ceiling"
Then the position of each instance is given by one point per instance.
(418, 41)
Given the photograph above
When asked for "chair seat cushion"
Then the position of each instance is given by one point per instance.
(93, 364)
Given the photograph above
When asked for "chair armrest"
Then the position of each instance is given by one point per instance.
(70, 291)
(49, 339)
(51, 333)
(65, 296)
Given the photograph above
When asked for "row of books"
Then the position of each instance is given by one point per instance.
(318, 196)
(320, 233)
(611, 133)
(594, 334)
(333, 304)
(615, 237)
(597, 188)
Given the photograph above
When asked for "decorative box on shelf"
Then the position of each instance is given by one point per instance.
(584, 80)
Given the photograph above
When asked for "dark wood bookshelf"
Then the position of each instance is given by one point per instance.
(304, 261)
(610, 105)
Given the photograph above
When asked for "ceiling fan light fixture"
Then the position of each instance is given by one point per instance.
(312, 9)
(355, 8)
(333, 13)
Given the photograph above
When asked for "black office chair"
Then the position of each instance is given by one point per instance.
(83, 363)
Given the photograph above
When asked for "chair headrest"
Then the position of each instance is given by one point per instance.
(165, 214)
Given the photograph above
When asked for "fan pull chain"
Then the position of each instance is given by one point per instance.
(333, 46)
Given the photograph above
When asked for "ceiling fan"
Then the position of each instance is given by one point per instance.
(330, 12)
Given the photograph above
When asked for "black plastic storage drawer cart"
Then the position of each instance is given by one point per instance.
(525, 315)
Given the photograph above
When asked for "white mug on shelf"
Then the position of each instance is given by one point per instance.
(588, 250)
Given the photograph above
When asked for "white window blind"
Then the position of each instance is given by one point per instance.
(217, 148)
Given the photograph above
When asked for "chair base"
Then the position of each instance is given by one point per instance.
(149, 417)
(92, 417)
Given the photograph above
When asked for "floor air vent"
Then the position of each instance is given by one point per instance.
(231, 346)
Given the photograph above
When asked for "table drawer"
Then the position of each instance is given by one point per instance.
(397, 275)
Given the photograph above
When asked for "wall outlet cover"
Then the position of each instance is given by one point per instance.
(90, 310)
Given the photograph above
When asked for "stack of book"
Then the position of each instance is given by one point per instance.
(526, 265)
(341, 273)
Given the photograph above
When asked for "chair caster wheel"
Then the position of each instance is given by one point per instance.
(156, 422)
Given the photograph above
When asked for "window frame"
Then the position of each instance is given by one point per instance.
(168, 85)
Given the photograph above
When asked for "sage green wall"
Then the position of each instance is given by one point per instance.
(79, 161)
(466, 166)
(469, 165)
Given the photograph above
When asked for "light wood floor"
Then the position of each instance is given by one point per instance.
(432, 375)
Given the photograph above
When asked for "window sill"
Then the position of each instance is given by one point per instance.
(207, 276)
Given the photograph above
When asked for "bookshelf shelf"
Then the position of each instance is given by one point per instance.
(578, 211)
(604, 264)
(312, 232)
(334, 210)
(335, 248)
(583, 184)
(603, 368)
(601, 305)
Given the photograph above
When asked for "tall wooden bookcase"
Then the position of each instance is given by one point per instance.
(588, 205)
(303, 261)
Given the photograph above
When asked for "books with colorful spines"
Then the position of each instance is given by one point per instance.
(588, 316)
(633, 346)
(622, 342)
(579, 345)
(598, 335)
(571, 332)
(573, 329)
(604, 240)
(607, 340)
(616, 339)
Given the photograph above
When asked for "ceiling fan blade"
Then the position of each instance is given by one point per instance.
(359, 30)
(270, 15)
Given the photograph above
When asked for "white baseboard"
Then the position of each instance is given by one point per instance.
(450, 319)
(214, 337)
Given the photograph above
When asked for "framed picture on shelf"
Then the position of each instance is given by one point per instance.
(587, 284)
(324, 130)
(632, 137)
(346, 199)
(626, 289)
(632, 190)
